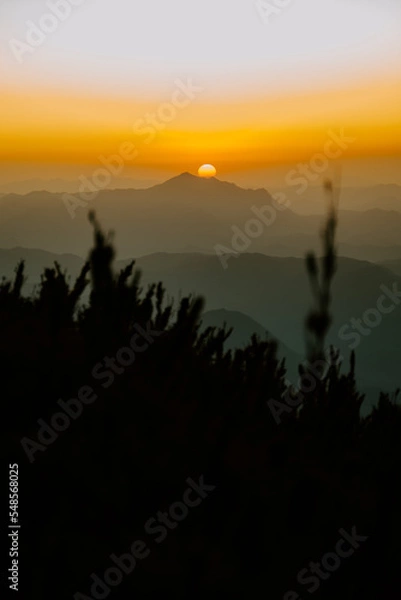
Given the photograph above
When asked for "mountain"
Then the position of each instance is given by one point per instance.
(273, 295)
(385, 197)
(59, 186)
(35, 263)
(244, 327)
(186, 213)
(393, 265)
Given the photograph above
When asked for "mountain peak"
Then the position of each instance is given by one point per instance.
(191, 187)
(186, 176)
(188, 179)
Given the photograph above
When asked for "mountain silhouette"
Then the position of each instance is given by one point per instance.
(188, 212)
(115, 449)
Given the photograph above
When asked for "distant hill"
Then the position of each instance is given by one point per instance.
(393, 265)
(385, 197)
(271, 294)
(58, 186)
(36, 260)
(243, 328)
(187, 213)
(35, 263)
(275, 293)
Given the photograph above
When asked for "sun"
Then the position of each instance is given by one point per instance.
(207, 171)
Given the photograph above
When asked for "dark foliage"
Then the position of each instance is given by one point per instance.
(186, 408)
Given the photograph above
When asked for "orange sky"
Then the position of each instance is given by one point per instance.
(272, 87)
(52, 127)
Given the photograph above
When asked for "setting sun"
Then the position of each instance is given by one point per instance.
(207, 171)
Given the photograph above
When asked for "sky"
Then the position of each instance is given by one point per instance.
(251, 87)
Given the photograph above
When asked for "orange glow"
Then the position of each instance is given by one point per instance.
(207, 171)
(57, 128)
